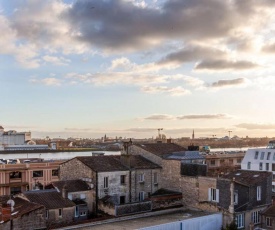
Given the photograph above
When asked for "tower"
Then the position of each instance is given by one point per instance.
(193, 135)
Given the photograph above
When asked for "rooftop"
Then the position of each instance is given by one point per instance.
(50, 198)
(247, 177)
(72, 185)
(161, 149)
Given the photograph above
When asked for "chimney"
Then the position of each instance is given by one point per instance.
(65, 191)
(169, 141)
(125, 159)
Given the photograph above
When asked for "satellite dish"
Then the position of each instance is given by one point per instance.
(11, 203)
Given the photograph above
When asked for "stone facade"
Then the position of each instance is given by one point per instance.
(67, 215)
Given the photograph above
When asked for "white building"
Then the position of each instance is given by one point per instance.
(14, 138)
(261, 159)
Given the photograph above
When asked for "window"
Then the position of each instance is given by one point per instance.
(122, 200)
(141, 177)
(259, 193)
(47, 214)
(268, 155)
(268, 222)
(239, 160)
(248, 165)
(76, 211)
(256, 155)
(256, 217)
(106, 182)
(274, 156)
(14, 175)
(267, 166)
(236, 197)
(273, 188)
(70, 196)
(55, 172)
(273, 176)
(141, 196)
(212, 162)
(122, 179)
(155, 178)
(82, 196)
(262, 155)
(240, 220)
(60, 212)
(213, 194)
(261, 166)
(273, 167)
(37, 173)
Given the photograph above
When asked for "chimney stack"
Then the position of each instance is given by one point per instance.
(65, 191)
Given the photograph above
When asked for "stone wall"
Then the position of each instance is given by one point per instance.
(115, 188)
(67, 215)
(166, 201)
(204, 183)
(170, 174)
(148, 186)
(190, 191)
(31, 220)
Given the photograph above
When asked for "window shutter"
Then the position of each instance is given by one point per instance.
(217, 195)
(209, 194)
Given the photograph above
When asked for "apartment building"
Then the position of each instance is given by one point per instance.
(17, 178)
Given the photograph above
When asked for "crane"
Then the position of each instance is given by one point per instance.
(159, 131)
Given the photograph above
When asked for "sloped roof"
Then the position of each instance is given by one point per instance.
(115, 163)
(270, 211)
(161, 149)
(247, 177)
(21, 206)
(50, 198)
(103, 163)
(139, 162)
(72, 185)
(186, 155)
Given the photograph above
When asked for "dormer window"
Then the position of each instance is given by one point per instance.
(256, 155)
(259, 193)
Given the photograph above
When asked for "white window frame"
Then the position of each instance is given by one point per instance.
(259, 193)
(268, 222)
(141, 196)
(213, 194)
(82, 196)
(261, 166)
(248, 165)
(256, 217)
(47, 214)
(240, 220)
(76, 211)
(273, 188)
(106, 182)
(141, 177)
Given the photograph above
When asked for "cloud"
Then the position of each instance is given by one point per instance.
(204, 116)
(269, 48)
(79, 129)
(227, 83)
(173, 91)
(252, 126)
(222, 65)
(50, 81)
(56, 60)
(159, 117)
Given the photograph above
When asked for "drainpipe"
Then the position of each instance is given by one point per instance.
(231, 207)
(96, 195)
(130, 186)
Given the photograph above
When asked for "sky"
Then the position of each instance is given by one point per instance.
(129, 67)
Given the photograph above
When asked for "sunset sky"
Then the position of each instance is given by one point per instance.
(126, 67)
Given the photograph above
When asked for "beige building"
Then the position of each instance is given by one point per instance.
(16, 178)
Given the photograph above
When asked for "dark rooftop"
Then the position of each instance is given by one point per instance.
(161, 149)
(50, 198)
(247, 177)
(115, 163)
(270, 211)
(163, 192)
(72, 185)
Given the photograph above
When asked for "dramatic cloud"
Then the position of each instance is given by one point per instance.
(221, 65)
(269, 48)
(226, 83)
(204, 116)
(255, 126)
